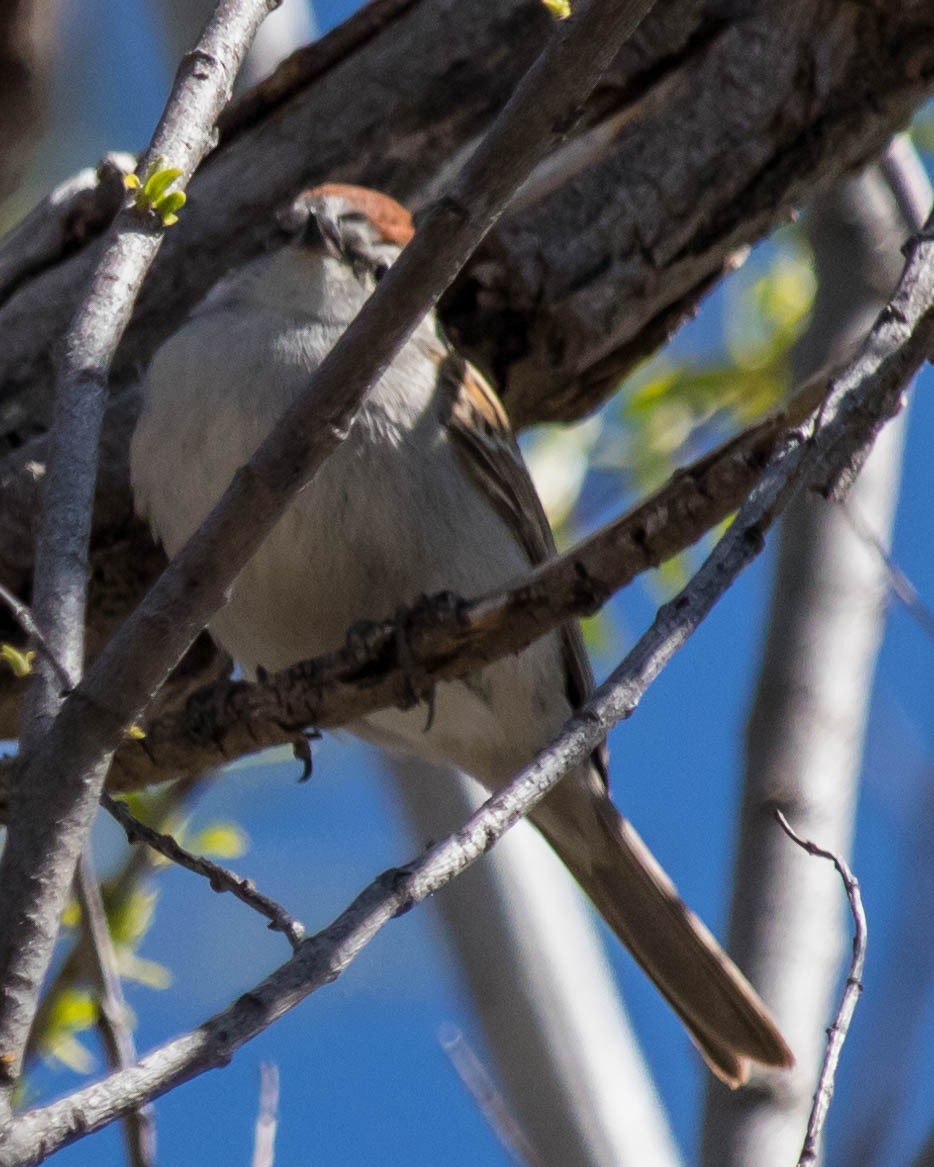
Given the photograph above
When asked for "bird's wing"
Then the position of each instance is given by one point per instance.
(480, 432)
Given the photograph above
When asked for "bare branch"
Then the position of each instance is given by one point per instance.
(24, 618)
(114, 1017)
(267, 1120)
(139, 865)
(836, 1034)
(321, 958)
(479, 1084)
(51, 809)
(220, 878)
(124, 560)
(81, 207)
(900, 585)
(530, 954)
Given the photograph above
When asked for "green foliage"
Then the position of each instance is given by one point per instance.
(219, 840)
(72, 1012)
(673, 409)
(151, 192)
(667, 404)
(20, 661)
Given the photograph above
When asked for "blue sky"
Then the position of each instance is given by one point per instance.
(363, 1077)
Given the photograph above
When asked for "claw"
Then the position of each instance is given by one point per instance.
(301, 749)
(415, 678)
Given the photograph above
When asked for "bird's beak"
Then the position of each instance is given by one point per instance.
(321, 233)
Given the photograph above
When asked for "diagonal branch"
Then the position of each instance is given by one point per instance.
(114, 1016)
(220, 878)
(324, 956)
(447, 638)
(124, 560)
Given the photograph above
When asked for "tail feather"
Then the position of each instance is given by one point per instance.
(722, 1012)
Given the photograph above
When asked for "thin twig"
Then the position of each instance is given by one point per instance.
(139, 1124)
(900, 585)
(837, 1033)
(479, 1084)
(220, 878)
(139, 865)
(267, 1119)
(26, 621)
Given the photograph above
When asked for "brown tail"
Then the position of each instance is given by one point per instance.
(721, 1010)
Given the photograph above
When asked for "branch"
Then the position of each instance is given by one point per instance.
(218, 877)
(267, 1120)
(114, 1016)
(137, 866)
(488, 1098)
(80, 208)
(51, 808)
(322, 957)
(836, 1034)
(124, 560)
(24, 618)
(544, 995)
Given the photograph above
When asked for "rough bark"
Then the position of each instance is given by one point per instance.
(714, 125)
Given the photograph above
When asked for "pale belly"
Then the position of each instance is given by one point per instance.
(391, 516)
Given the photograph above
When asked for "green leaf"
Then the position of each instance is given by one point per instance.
(73, 1009)
(144, 972)
(20, 661)
(65, 1048)
(159, 182)
(223, 840)
(129, 921)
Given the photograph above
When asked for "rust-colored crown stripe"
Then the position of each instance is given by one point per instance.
(390, 218)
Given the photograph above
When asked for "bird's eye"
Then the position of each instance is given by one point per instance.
(380, 270)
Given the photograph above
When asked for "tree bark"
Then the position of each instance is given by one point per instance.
(712, 127)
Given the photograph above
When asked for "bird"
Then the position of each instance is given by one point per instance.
(428, 493)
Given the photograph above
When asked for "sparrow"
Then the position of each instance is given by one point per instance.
(428, 493)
